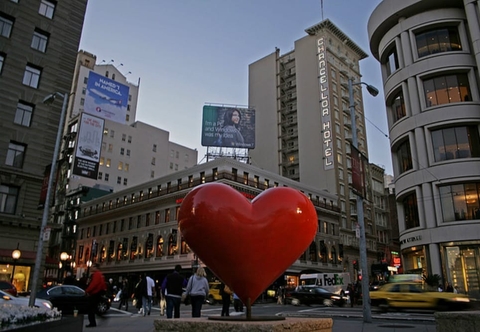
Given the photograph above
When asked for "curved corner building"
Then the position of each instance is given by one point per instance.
(429, 52)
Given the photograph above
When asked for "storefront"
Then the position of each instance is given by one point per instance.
(414, 260)
(462, 265)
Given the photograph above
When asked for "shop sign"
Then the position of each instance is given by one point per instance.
(411, 239)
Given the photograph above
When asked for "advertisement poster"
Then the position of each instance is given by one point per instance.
(106, 98)
(228, 127)
(89, 145)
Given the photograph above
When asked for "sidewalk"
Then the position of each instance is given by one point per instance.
(137, 323)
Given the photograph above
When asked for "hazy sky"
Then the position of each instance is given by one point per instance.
(191, 52)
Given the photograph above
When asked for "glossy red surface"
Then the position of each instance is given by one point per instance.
(248, 245)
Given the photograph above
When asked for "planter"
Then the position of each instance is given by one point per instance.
(70, 324)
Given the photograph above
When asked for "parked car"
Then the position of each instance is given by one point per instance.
(7, 298)
(413, 296)
(68, 297)
(315, 295)
(8, 287)
(375, 285)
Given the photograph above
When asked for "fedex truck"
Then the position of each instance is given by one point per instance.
(334, 282)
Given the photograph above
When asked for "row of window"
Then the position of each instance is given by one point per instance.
(428, 41)
(458, 202)
(106, 177)
(455, 142)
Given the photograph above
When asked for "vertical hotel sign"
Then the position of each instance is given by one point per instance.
(89, 145)
(327, 145)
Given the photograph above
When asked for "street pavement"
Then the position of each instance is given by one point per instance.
(122, 321)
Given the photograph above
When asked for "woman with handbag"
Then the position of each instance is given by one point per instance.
(197, 289)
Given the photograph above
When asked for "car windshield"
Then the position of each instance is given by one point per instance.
(320, 290)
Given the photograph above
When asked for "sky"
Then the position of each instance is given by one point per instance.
(188, 53)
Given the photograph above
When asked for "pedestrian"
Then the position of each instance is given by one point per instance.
(137, 295)
(198, 290)
(96, 288)
(147, 294)
(82, 282)
(124, 295)
(449, 288)
(226, 293)
(69, 279)
(172, 290)
(111, 289)
(351, 294)
(237, 303)
(280, 292)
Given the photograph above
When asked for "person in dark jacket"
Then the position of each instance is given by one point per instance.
(124, 295)
(226, 293)
(172, 289)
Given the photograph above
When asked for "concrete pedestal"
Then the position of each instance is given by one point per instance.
(462, 321)
(205, 325)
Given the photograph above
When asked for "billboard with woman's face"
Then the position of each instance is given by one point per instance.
(228, 127)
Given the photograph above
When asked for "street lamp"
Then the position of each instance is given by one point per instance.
(63, 264)
(38, 260)
(367, 312)
(15, 255)
(89, 264)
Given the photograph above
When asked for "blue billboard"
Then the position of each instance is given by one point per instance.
(106, 98)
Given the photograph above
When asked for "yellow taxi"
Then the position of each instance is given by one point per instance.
(411, 295)
(214, 294)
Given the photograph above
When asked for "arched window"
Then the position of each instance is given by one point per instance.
(160, 246)
(106, 73)
(87, 255)
(184, 249)
(103, 254)
(323, 252)
(113, 76)
(172, 249)
(119, 252)
(334, 255)
(312, 253)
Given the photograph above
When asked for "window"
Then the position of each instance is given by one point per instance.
(120, 166)
(404, 157)
(153, 160)
(85, 80)
(47, 8)
(122, 151)
(113, 76)
(110, 147)
(460, 201)
(40, 40)
(127, 167)
(446, 89)
(100, 175)
(410, 210)
(112, 133)
(128, 152)
(124, 137)
(127, 117)
(154, 149)
(398, 107)
(437, 40)
(109, 162)
(82, 101)
(107, 176)
(15, 154)
(119, 180)
(2, 60)
(6, 24)
(129, 139)
(8, 199)
(391, 61)
(152, 174)
(31, 77)
(456, 143)
(23, 114)
(84, 91)
(106, 73)
(125, 181)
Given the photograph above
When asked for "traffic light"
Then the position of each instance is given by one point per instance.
(355, 264)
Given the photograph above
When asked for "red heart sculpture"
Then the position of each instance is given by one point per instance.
(248, 245)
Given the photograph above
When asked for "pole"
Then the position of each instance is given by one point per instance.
(367, 312)
(46, 208)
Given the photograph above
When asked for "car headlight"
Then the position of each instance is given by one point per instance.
(335, 297)
(47, 305)
(461, 299)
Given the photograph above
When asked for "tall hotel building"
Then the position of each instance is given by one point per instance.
(303, 120)
(39, 42)
(429, 52)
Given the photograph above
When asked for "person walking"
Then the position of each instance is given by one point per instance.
(226, 293)
(137, 295)
(351, 294)
(237, 303)
(198, 290)
(95, 289)
(147, 294)
(172, 290)
(124, 295)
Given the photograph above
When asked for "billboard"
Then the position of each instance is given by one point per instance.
(228, 127)
(106, 98)
(89, 145)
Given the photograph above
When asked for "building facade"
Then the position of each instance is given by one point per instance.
(136, 230)
(430, 54)
(38, 46)
(303, 120)
(131, 152)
